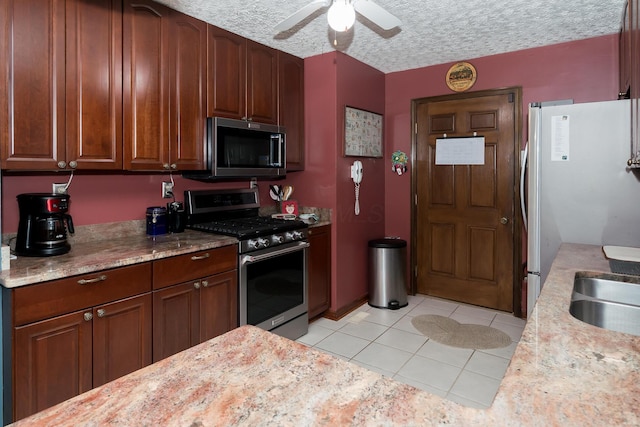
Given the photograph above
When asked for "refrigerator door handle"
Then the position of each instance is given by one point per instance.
(523, 169)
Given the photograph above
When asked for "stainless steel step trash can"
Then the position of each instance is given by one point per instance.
(388, 273)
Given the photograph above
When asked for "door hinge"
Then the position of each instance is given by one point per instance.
(511, 98)
(415, 126)
(415, 199)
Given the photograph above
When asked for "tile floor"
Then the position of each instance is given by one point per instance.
(385, 341)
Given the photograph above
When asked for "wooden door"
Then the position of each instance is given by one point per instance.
(262, 83)
(291, 107)
(465, 213)
(52, 362)
(319, 270)
(188, 104)
(145, 80)
(226, 74)
(32, 84)
(176, 319)
(94, 84)
(121, 338)
(218, 305)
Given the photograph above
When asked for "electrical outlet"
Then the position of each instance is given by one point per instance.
(59, 188)
(167, 190)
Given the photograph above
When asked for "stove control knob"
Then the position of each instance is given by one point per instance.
(294, 235)
(253, 244)
(262, 242)
(277, 239)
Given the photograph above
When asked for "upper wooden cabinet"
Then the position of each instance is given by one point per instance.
(60, 84)
(291, 107)
(242, 80)
(164, 69)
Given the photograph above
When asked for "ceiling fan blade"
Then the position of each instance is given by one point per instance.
(301, 14)
(376, 14)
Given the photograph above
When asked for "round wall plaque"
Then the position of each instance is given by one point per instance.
(461, 76)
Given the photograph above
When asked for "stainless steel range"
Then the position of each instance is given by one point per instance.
(272, 257)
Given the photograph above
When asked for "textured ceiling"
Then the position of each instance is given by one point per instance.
(432, 31)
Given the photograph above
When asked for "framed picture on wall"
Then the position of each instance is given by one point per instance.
(362, 133)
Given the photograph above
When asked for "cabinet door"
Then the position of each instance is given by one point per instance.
(121, 338)
(32, 84)
(52, 362)
(176, 319)
(218, 305)
(291, 107)
(319, 270)
(226, 74)
(145, 82)
(94, 84)
(262, 83)
(188, 61)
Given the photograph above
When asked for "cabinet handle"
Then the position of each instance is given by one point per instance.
(100, 278)
(166, 166)
(174, 166)
(73, 164)
(88, 316)
(196, 285)
(197, 258)
(101, 312)
(62, 164)
(205, 283)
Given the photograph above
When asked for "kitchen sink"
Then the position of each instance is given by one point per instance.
(608, 287)
(609, 301)
(607, 315)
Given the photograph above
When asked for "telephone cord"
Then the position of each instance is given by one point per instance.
(357, 209)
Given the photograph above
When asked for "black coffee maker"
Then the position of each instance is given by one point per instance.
(41, 230)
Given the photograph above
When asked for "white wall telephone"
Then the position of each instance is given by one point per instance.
(356, 175)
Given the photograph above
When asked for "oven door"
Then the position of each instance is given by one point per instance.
(273, 285)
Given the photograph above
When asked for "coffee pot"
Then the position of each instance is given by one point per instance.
(42, 230)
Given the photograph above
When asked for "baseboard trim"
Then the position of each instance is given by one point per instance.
(343, 311)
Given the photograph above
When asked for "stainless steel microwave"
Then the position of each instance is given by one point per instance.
(242, 149)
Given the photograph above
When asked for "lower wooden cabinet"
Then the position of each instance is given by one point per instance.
(56, 359)
(190, 313)
(195, 298)
(67, 336)
(319, 270)
(73, 334)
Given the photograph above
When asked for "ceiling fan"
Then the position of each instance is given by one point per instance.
(342, 14)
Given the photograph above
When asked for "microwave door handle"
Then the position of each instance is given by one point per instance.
(248, 259)
(281, 150)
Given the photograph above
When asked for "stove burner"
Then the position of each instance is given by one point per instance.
(245, 228)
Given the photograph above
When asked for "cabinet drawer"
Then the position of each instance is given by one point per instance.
(182, 268)
(49, 299)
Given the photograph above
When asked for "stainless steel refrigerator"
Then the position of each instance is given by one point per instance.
(577, 184)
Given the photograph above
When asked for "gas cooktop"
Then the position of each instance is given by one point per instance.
(235, 213)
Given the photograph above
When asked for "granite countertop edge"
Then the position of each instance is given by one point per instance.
(126, 245)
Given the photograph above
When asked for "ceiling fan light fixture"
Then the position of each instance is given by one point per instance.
(341, 15)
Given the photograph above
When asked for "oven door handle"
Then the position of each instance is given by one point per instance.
(247, 259)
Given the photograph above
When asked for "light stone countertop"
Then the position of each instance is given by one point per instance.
(124, 244)
(563, 372)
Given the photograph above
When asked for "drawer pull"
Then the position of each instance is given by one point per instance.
(88, 316)
(101, 312)
(205, 283)
(100, 278)
(196, 257)
(196, 285)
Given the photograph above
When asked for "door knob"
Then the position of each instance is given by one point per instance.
(504, 220)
